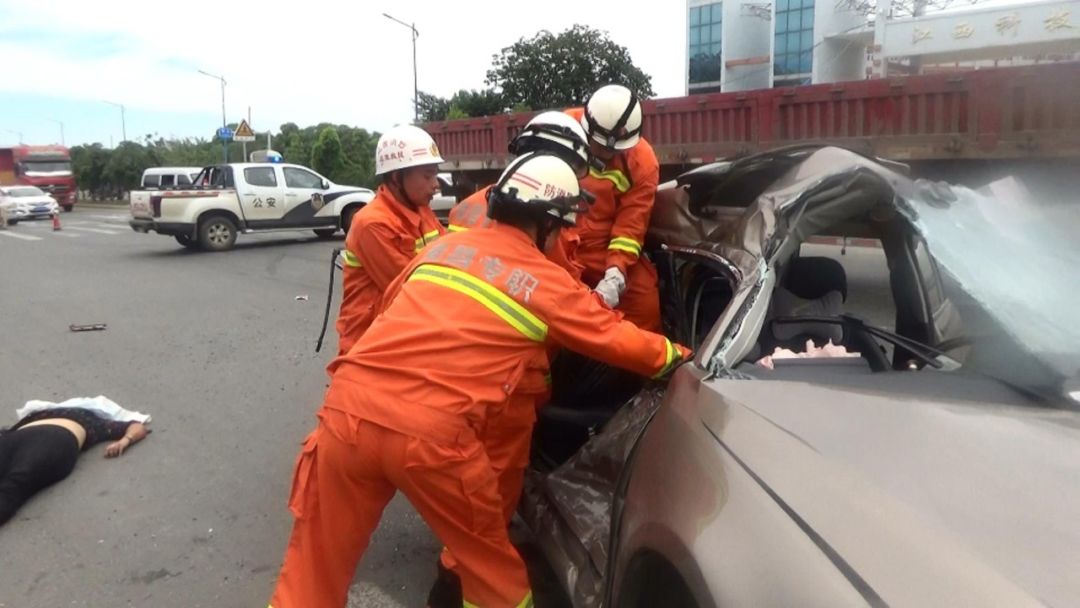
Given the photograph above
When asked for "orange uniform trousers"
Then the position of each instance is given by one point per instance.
(347, 472)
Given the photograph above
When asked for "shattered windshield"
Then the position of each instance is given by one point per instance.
(1014, 252)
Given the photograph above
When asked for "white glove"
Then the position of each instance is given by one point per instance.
(612, 286)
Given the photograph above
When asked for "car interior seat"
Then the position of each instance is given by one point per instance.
(810, 287)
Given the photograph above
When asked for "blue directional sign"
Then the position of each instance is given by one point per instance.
(225, 133)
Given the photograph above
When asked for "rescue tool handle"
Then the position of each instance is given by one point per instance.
(329, 297)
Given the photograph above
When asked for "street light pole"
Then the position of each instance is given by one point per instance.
(224, 124)
(416, 89)
(123, 121)
(61, 123)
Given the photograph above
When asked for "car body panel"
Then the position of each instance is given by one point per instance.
(824, 482)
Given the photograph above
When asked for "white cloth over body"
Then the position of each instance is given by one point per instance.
(102, 405)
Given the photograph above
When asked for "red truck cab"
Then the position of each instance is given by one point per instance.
(47, 167)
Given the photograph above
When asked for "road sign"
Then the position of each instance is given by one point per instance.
(244, 132)
(225, 133)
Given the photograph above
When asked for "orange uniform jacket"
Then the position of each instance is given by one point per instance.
(472, 213)
(613, 231)
(384, 237)
(495, 293)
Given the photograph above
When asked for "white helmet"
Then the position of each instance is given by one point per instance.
(613, 117)
(403, 147)
(538, 184)
(558, 133)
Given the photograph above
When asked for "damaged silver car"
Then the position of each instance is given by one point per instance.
(912, 442)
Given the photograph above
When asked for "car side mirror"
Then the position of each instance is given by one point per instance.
(325, 184)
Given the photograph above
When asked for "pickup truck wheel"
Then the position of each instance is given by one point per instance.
(346, 218)
(325, 233)
(186, 241)
(217, 233)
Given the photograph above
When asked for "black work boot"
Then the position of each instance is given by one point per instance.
(446, 592)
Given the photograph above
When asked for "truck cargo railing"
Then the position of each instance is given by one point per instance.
(993, 113)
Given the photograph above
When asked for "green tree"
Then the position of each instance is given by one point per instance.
(433, 108)
(125, 167)
(463, 104)
(555, 71)
(326, 153)
(88, 163)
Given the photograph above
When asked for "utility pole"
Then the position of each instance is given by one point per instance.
(123, 121)
(62, 143)
(415, 82)
(224, 142)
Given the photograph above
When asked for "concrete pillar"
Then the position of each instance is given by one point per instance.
(747, 45)
(839, 49)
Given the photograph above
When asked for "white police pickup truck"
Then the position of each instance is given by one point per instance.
(226, 200)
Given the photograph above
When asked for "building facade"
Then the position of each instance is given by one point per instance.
(745, 45)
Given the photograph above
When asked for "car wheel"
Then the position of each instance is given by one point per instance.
(217, 233)
(12, 222)
(347, 217)
(186, 241)
(68, 208)
(325, 233)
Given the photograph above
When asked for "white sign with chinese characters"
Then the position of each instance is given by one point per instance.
(1036, 27)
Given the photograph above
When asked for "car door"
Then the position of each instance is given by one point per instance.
(262, 196)
(302, 186)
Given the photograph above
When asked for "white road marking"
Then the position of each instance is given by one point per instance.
(97, 230)
(16, 235)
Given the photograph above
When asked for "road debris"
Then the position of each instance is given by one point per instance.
(90, 327)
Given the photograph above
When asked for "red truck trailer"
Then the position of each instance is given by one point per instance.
(991, 114)
(47, 167)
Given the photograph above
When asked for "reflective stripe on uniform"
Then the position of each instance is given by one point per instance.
(622, 243)
(516, 315)
(615, 176)
(672, 357)
(427, 238)
(525, 603)
(456, 228)
(350, 259)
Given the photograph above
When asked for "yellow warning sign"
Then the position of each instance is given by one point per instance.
(244, 132)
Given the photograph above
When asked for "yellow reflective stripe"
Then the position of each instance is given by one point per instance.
(456, 228)
(671, 358)
(622, 243)
(426, 238)
(351, 260)
(516, 315)
(622, 184)
(525, 603)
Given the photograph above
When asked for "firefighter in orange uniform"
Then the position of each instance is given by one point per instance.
(389, 231)
(612, 233)
(507, 435)
(406, 404)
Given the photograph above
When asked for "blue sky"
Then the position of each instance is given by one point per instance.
(307, 62)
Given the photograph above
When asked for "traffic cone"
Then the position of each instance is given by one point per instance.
(55, 222)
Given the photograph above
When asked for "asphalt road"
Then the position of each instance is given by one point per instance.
(219, 351)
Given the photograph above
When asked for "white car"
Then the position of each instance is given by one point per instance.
(445, 200)
(26, 203)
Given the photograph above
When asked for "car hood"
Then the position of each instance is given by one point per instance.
(978, 491)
